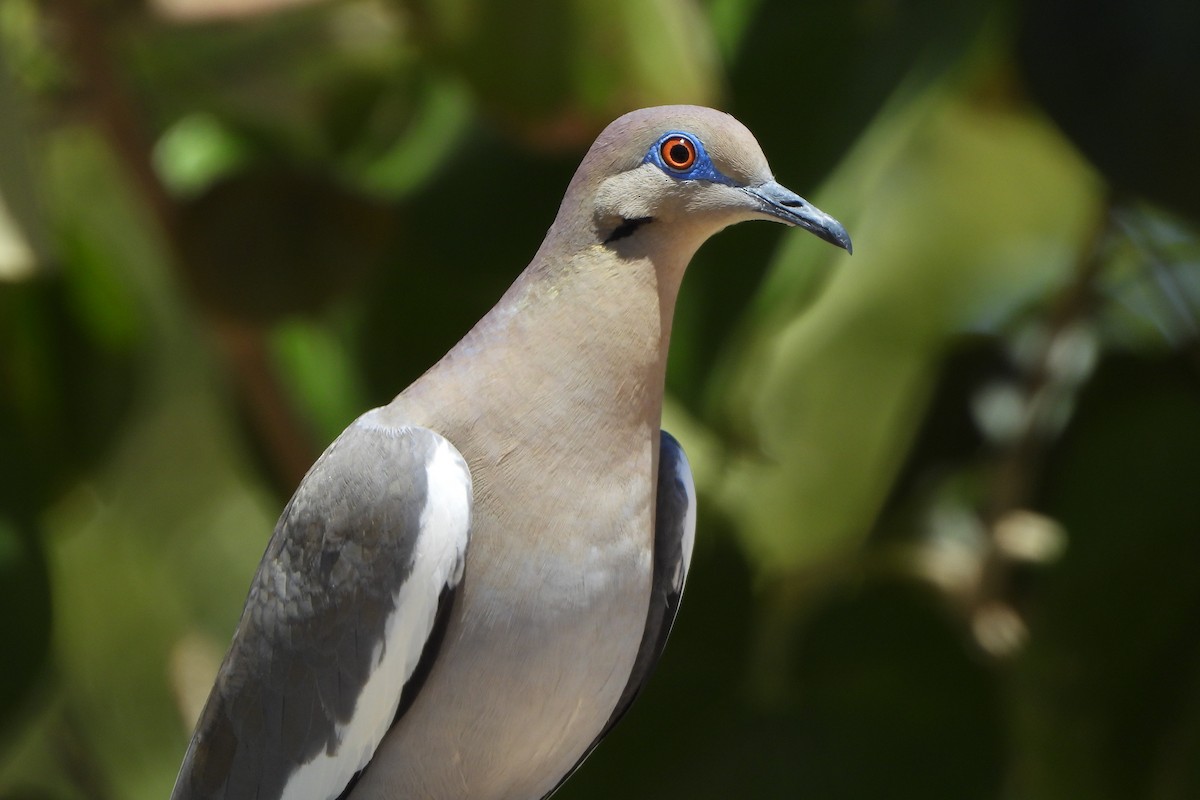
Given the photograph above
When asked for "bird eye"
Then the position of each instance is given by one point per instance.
(678, 152)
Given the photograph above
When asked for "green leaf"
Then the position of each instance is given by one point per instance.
(966, 211)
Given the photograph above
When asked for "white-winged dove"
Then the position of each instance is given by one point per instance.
(473, 583)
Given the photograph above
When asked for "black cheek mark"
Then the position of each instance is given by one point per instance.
(627, 228)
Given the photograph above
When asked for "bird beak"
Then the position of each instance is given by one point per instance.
(791, 209)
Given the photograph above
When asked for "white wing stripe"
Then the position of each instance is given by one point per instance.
(438, 560)
(683, 471)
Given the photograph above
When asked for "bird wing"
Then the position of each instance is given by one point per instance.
(362, 566)
(674, 536)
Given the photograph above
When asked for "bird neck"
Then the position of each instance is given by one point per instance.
(577, 334)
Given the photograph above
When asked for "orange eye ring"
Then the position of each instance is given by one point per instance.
(678, 152)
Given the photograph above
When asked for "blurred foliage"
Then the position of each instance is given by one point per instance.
(948, 531)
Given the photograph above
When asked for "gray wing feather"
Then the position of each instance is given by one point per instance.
(674, 535)
(317, 614)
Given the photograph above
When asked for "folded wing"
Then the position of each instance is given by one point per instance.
(362, 565)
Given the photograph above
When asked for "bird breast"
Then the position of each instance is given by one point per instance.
(544, 631)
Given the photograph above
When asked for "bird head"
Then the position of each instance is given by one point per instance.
(689, 169)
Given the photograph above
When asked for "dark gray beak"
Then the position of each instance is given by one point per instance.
(790, 208)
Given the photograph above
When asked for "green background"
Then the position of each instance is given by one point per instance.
(949, 520)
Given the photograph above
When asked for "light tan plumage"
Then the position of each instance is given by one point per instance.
(554, 400)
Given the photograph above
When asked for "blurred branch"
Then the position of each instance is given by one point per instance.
(1057, 358)
(243, 347)
(77, 759)
(979, 528)
(112, 111)
(1018, 465)
(276, 424)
